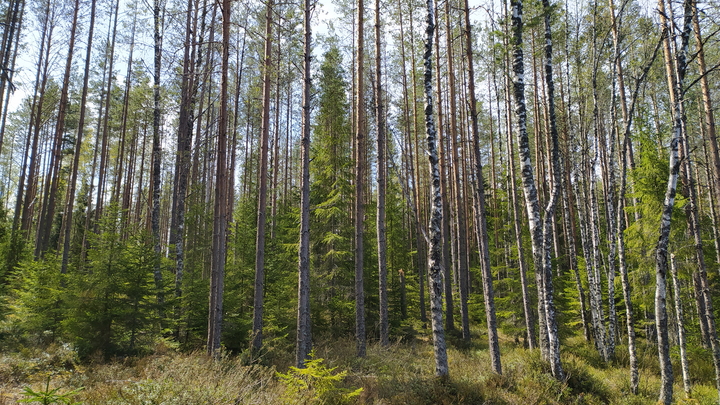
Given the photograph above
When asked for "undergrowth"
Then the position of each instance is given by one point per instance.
(399, 374)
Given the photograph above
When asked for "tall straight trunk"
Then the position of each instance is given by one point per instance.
(182, 160)
(359, 211)
(548, 222)
(70, 199)
(219, 238)
(435, 257)
(593, 233)
(8, 55)
(275, 144)
(528, 179)
(103, 114)
(522, 265)
(304, 337)
(257, 327)
(530, 189)
(446, 187)
(459, 205)
(52, 182)
(610, 208)
(480, 216)
(381, 184)
(156, 148)
(23, 206)
(681, 327)
(676, 82)
(517, 215)
(413, 199)
(621, 224)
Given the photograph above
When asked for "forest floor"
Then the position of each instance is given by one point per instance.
(400, 374)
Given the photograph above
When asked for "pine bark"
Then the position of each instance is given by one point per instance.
(70, 198)
(182, 159)
(219, 238)
(157, 148)
(480, 216)
(381, 184)
(304, 337)
(258, 302)
(359, 209)
(52, 182)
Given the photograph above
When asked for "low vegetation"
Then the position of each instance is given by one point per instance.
(400, 374)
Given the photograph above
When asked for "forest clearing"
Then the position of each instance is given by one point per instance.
(398, 202)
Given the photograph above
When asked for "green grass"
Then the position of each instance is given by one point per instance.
(400, 374)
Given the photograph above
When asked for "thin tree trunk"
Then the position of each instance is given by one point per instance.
(70, 199)
(182, 161)
(681, 327)
(480, 216)
(462, 259)
(51, 189)
(156, 150)
(548, 224)
(304, 337)
(220, 217)
(257, 331)
(381, 184)
(661, 254)
(412, 201)
(435, 257)
(359, 211)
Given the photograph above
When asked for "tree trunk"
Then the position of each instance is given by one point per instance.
(51, 189)
(182, 159)
(157, 149)
(681, 327)
(435, 257)
(549, 223)
(661, 253)
(381, 184)
(257, 331)
(70, 199)
(219, 237)
(304, 337)
(480, 216)
(359, 211)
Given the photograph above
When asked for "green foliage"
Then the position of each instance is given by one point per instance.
(112, 307)
(331, 195)
(37, 304)
(50, 396)
(319, 379)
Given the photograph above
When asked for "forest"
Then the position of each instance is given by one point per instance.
(396, 202)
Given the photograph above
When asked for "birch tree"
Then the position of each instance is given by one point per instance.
(676, 78)
(435, 257)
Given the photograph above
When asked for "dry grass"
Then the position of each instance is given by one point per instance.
(400, 374)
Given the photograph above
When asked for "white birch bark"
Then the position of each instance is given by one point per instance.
(681, 326)
(530, 192)
(549, 223)
(661, 253)
(435, 257)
